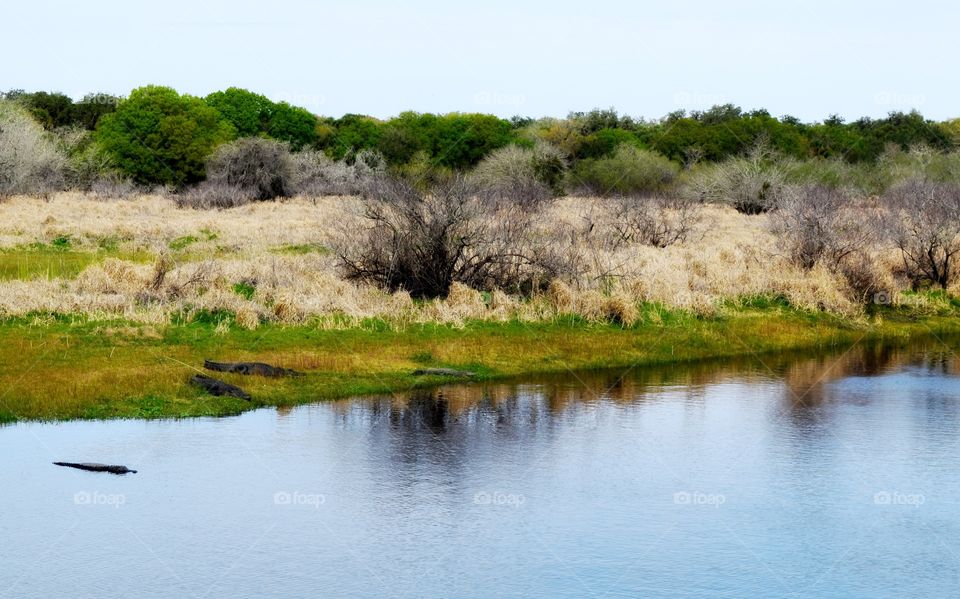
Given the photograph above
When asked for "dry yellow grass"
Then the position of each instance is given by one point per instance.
(730, 255)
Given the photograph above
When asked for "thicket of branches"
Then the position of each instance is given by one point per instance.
(423, 242)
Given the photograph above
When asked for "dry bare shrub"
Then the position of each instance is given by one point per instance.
(752, 184)
(424, 242)
(561, 296)
(924, 222)
(622, 309)
(869, 282)
(316, 174)
(263, 168)
(817, 224)
(657, 221)
(212, 195)
(30, 162)
(247, 317)
(113, 188)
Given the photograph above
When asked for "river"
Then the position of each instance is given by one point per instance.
(806, 475)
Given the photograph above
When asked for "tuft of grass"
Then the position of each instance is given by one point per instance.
(244, 290)
(299, 249)
(182, 243)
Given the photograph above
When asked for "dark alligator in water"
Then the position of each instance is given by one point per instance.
(257, 368)
(218, 387)
(443, 372)
(97, 467)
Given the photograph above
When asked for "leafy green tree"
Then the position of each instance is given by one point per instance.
(293, 124)
(87, 112)
(354, 132)
(158, 136)
(248, 112)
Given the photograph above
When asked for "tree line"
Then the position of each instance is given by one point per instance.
(157, 136)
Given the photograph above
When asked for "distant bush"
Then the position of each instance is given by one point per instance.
(30, 162)
(752, 184)
(818, 225)
(256, 115)
(211, 195)
(524, 175)
(158, 136)
(629, 171)
(54, 110)
(657, 221)
(262, 167)
(316, 174)
(423, 243)
(925, 224)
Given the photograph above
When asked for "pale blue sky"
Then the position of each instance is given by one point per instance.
(808, 59)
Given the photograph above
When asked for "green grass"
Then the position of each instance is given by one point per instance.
(68, 367)
(52, 261)
(301, 249)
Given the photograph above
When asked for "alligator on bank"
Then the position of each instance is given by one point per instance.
(256, 368)
(96, 467)
(219, 388)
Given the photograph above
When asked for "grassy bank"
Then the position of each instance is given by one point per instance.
(70, 368)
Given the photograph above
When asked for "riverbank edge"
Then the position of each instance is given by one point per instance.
(66, 369)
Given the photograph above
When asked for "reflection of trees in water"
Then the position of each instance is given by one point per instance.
(807, 381)
(446, 425)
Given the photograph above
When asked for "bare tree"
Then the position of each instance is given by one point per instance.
(658, 221)
(818, 224)
(925, 224)
(424, 242)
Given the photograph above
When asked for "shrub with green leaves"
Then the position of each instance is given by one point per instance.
(752, 184)
(629, 171)
(157, 136)
(525, 175)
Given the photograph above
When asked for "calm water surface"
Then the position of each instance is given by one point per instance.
(827, 476)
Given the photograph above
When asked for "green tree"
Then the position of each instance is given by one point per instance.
(158, 136)
(354, 132)
(293, 124)
(87, 112)
(248, 112)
